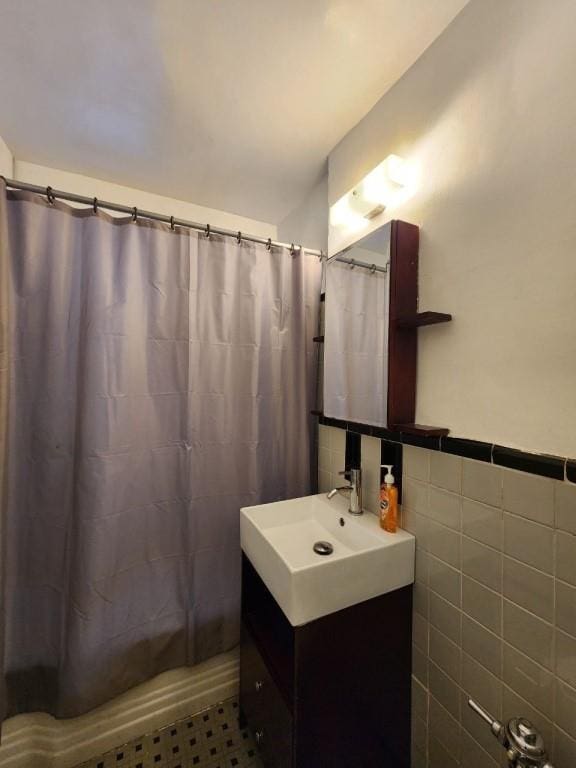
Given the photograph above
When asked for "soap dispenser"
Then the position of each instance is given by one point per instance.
(388, 501)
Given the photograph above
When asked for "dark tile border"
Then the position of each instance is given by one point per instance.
(555, 467)
(536, 464)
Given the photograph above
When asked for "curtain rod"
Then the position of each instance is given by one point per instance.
(363, 264)
(53, 194)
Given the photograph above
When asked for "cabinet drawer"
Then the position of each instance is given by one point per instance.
(263, 706)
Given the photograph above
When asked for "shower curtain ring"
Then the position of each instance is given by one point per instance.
(95, 205)
(239, 237)
(373, 268)
(269, 244)
(172, 223)
(207, 232)
(292, 250)
(134, 214)
(352, 263)
(50, 196)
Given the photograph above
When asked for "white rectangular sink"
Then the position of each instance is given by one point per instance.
(366, 561)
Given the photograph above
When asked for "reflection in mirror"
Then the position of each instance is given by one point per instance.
(356, 331)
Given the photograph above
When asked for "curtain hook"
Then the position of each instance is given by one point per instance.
(352, 263)
(134, 214)
(95, 205)
(269, 244)
(373, 268)
(50, 195)
(320, 255)
(207, 231)
(172, 223)
(292, 250)
(239, 237)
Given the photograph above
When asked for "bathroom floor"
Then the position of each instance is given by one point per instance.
(209, 739)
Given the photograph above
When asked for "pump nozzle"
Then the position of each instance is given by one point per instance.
(389, 478)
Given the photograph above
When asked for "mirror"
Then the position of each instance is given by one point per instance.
(356, 331)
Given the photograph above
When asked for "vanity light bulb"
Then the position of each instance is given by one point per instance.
(343, 215)
(382, 185)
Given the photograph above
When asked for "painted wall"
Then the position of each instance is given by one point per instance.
(307, 224)
(488, 114)
(115, 193)
(6, 160)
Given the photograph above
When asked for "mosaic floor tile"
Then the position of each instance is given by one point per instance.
(209, 739)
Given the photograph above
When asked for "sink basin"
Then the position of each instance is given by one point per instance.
(279, 538)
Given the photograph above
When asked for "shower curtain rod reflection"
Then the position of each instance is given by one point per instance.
(136, 213)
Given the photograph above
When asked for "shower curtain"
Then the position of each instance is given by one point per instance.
(159, 380)
(356, 344)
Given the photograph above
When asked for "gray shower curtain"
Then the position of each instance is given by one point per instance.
(158, 381)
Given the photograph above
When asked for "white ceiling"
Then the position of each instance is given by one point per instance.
(232, 104)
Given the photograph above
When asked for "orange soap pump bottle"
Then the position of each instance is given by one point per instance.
(388, 501)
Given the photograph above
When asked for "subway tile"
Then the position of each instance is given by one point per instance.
(422, 441)
(565, 505)
(420, 599)
(566, 657)
(529, 680)
(445, 690)
(529, 588)
(482, 563)
(566, 708)
(528, 634)
(482, 604)
(337, 465)
(419, 700)
(445, 654)
(324, 482)
(473, 725)
(444, 543)
(470, 449)
(444, 727)
(473, 755)
(446, 471)
(417, 525)
(445, 507)
(481, 685)
(564, 753)
(566, 607)
(324, 459)
(415, 496)
(439, 756)
(324, 436)
(420, 632)
(445, 580)
(482, 645)
(419, 733)
(529, 542)
(533, 463)
(482, 482)
(571, 470)
(445, 617)
(337, 439)
(482, 523)
(529, 496)
(421, 565)
(416, 463)
(420, 666)
(514, 705)
(566, 557)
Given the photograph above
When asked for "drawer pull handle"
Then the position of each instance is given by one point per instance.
(258, 685)
(259, 736)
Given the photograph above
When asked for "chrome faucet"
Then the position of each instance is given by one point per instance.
(522, 741)
(355, 488)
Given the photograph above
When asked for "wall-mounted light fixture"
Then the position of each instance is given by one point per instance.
(378, 190)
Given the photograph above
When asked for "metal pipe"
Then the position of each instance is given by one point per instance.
(137, 212)
(362, 264)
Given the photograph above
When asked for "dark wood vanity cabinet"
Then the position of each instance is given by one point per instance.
(334, 693)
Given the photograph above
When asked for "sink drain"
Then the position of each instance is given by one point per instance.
(323, 548)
